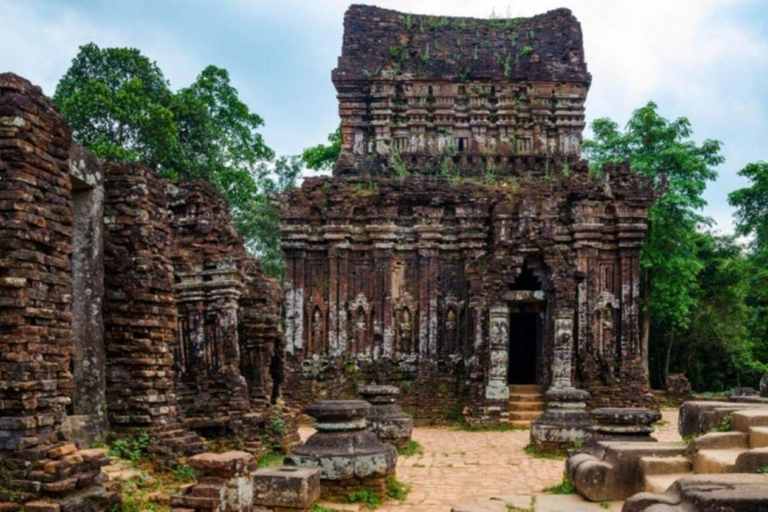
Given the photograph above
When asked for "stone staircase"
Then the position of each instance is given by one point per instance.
(526, 404)
(743, 449)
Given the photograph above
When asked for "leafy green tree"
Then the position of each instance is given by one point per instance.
(258, 221)
(680, 168)
(752, 221)
(121, 107)
(322, 157)
(715, 352)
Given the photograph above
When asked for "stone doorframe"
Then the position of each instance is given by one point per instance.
(497, 387)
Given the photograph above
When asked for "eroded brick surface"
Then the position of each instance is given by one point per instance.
(461, 244)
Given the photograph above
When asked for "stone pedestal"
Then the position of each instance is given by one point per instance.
(386, 419)
(349, 455)
(224, 483)
(565, 422)
(623, 424)
(286, 488)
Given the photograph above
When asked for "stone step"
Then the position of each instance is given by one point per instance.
(742, 421)
(758, 437)
(520, 423)
(722, 441)
(526, 397)
(658, 484)
(527, 406)
(716, 461)
(656, 466)
(524, 415)
(526, 388)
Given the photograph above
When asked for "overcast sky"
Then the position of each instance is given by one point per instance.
(704, 59)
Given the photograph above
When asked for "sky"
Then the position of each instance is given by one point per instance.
(703, 59)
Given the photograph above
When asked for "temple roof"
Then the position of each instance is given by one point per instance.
(547, 47)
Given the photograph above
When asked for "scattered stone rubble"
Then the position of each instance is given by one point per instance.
(674, 474)
(348, 454)
(386, 419)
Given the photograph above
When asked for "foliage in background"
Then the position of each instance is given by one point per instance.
(680, 168)
(751, 205)
(121, 107)
(323, 157)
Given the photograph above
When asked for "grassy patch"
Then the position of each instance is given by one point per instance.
(413, 448)
(564, 487)
(530, 449)
(319, 508)
(270, 459)
(366, 497)
(397, 490)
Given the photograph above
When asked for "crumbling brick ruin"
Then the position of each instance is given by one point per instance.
(128, 304)
(462, 245)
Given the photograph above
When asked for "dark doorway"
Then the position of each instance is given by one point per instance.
(523, 347)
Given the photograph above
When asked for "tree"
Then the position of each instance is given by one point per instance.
(121, 107)
(752, 221)
(322, 157)
(663, 151)
(715, 351)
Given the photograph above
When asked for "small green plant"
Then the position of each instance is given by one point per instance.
(277, 422)
(763, 470)
(525, 51)
(368, 498)
(270, 459)
(725, 425)
(425, 55)
(689, 439)
(318, 508)
(397, 490)
(530, 449)
(399, 166)
(413, 448)
(564, 487)
(605, 505)
(578, 444)
(132, 448)
(183, 473)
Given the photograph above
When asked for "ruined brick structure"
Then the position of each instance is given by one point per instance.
(36, 332)
(229, 346)
(127, 304)
(462, 245)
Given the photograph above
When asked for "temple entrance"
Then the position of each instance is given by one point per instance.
(524, 347)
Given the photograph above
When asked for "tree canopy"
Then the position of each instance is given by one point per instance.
(122, 108)
(323, 157)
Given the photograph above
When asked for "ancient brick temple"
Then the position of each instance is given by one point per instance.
(462, 245)
(128, 304)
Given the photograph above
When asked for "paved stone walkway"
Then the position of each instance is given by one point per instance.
(459, 466)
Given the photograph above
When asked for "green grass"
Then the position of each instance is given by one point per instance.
(270, 459)
(530, 449)
(564, 487)
(397, 490)
(413, 448)
(366, 497)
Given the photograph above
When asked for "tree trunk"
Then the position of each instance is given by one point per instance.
(645, 291)
(669, 355)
